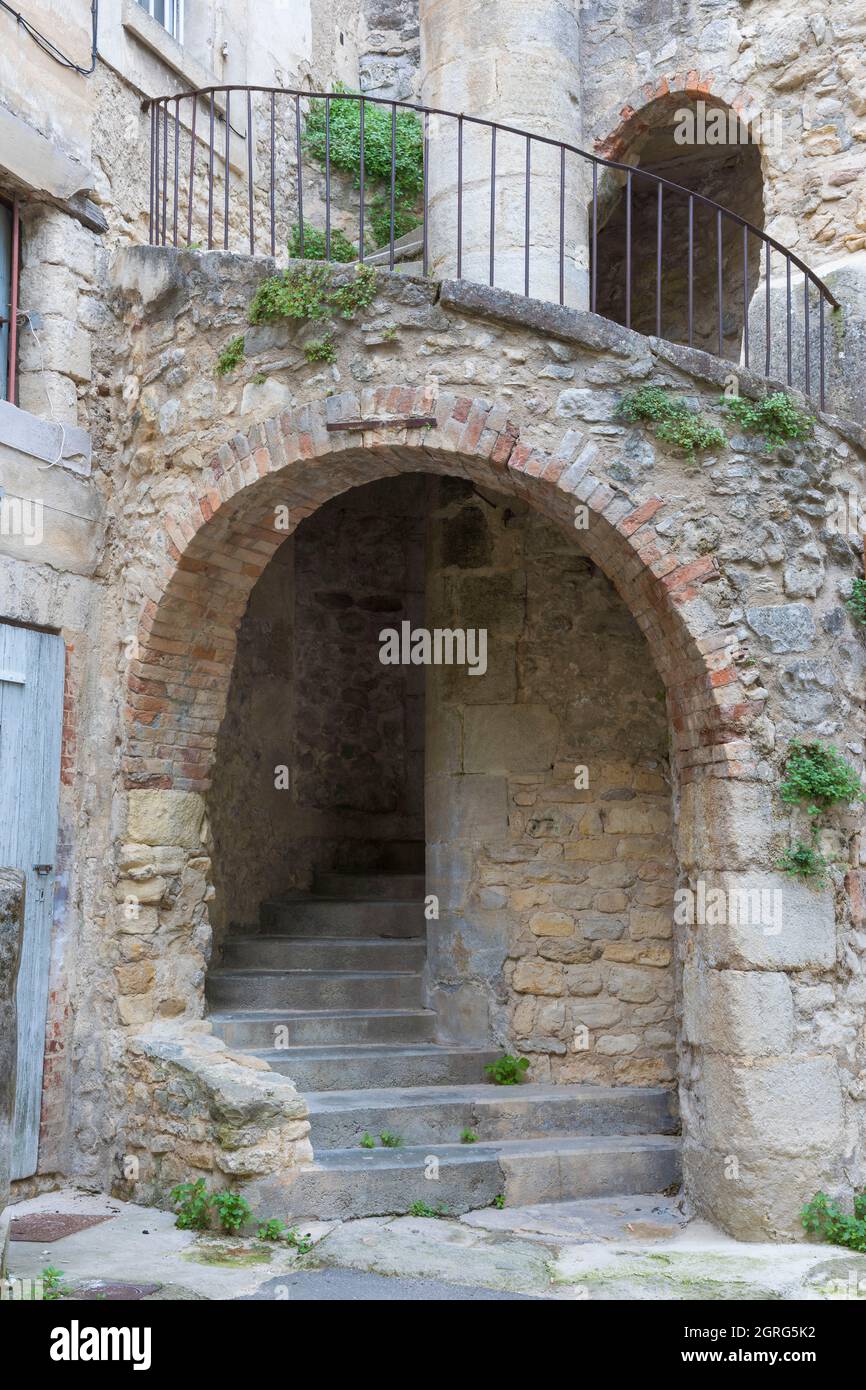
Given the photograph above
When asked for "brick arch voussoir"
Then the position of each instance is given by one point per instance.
(621, 127)
(211, 555)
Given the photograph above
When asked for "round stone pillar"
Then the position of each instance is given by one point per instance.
(517, 64)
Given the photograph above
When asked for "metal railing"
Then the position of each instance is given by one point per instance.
(252, 140)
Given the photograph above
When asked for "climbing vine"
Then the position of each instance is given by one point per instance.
(343, 141)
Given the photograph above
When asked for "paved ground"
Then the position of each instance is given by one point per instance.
(640, 1248)
(348, 1285)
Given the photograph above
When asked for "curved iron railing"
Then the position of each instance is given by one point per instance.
(184, 197)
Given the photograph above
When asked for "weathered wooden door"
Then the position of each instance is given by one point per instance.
(31, 726)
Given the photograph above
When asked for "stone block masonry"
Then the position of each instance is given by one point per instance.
(701, 552)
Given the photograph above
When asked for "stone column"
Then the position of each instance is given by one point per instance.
(11, 932)
(519, 65)
(763, 1109)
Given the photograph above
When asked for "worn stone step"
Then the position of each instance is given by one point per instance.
(313, 989)
(322, 953)
(379, 1182)
(376, 1066)
(254, 1029)
(303, 915)
(334, 883)
(438, 1114)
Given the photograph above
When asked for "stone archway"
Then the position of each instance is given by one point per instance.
(695, 138)
(736, 995)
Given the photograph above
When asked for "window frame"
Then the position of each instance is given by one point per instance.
(176, 10)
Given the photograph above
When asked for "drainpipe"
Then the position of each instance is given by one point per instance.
(518, 64)
(12, 369)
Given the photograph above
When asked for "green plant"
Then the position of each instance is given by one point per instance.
(468, 1136)
(507, 1070)
(231, 355)
(337, 135)
(675, 422)
(232, 1210)
(296, 293)
(803, 861)
(259, 378)
(776, 417)
(368, 1142)
(303, 1244)
(424, 1209)
(856, 604)
(193, 1204)
(822, 1216)
(315, 246)
(405, 218)
(817, 776)
(389, 1140)
(498, 1201)
(321, 349)
(356, 294)
(271, 1230)
(53, 1287)
(303, 292)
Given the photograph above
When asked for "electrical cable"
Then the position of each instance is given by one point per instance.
(51, 49)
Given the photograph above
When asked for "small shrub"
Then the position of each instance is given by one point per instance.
(817, 776)
(822, 1216)
(468, 1136)
(294, 294)
(424, 1209)
(776, 417)
(507, 1070)
(498, 1201)
(675, 423)
(344, 142)
(856, 604)
(303, 1244)
(368, 1142)
(53, 1287)
(231, 355)
(389, 1140)
(271, 1230)
(321, 349)
(232, 1210)
(316, 245)
(193, 1204)
(804, 861)
(358, 293)
(380, 219)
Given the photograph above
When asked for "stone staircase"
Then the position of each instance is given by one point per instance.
(340, 971)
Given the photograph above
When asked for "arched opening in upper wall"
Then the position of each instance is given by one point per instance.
(700, 144)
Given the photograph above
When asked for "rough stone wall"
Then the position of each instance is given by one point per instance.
(196, 1109)
(556, 923)
(736, 570)
(389, 49)
(309, 694)
(770, 58)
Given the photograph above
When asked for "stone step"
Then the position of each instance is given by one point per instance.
(322, 953)
(379, 1065)
(303, 915)
(379, 1182)
(336, 883)
(327, 1026)
(438, 1114)
(314, 989)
